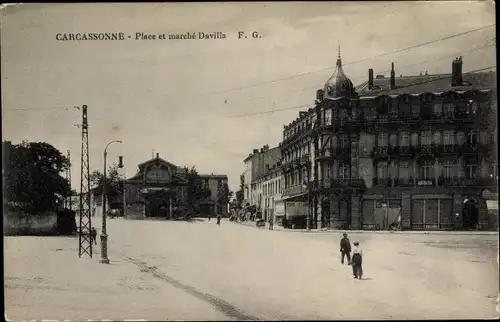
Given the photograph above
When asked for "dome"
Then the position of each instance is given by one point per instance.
(339, 85)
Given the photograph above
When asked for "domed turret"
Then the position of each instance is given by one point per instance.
(339, 85)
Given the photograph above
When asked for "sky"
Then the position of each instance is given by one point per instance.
(171, 96)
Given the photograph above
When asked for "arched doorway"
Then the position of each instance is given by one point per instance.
(470, 218)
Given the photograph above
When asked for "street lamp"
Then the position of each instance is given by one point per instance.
(104, 236)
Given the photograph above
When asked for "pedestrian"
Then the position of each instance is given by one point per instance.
(93, 233)
(271, 223)
(209, 216)
(357, 261)
(345, 249)
(218, 220)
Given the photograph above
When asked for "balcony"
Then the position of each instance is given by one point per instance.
(347, 183)
(447, 149)
(324, 153)
(404, 182)
(425, 150)
(470, 149)
(380, 152)
(295, 190)
(406, 151)
(382, 182)
(425, 182)
(467, 182)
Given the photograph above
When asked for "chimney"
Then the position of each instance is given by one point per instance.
(157, 155)
(456, 72)
(393, 76)
(370, 78)
(255, 151)
(320, 94)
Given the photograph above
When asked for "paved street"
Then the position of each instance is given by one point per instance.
(197, 270)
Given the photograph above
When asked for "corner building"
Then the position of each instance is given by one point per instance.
(422, 149)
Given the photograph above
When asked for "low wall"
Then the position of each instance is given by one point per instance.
(19, 223)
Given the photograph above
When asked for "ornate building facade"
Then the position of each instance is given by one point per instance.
(418, 152)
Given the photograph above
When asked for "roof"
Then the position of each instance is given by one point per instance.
(179, 169)
(214, 176)
(428, 83)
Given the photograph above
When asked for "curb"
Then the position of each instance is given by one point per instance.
(382, 232)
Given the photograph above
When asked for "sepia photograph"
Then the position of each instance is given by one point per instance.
(244, 161)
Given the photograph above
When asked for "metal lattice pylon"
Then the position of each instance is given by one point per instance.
(85, 238)
(69, 203)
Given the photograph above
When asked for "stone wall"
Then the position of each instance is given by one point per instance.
(19, 223)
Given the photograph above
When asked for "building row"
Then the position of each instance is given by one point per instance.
(412, 152)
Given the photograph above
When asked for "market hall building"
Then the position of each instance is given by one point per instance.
(160, 189)
(420, 151)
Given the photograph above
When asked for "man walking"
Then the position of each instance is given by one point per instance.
(93, 233)
(357, 261)
(345, 249)
(271, 223)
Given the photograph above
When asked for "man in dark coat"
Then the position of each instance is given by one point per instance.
(345, 249)
(93, 233)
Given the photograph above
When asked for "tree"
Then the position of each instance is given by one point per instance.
(239, 199)
(33, 181)
(114, 182)
(196, 191)
(224, 195)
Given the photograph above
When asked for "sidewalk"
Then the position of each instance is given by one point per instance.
(45, 279)
(406, 232)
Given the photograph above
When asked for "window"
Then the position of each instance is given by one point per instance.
(437, 138)
(493, 172)
(404, 139)
(341, 114)
(393, 139)
(415, 109)
(328, 117)
(425, 138)
(344, 141)
(382, 171)
(404, 171)
(448, 138)
(437, 108)
(426, 170)
(472, 137)
(344, 171)
(448, 169)
(449, 109)
(383, 139)
(470, 170)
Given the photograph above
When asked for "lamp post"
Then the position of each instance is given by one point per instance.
(104, 236)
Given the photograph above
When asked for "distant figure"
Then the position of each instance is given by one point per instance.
(209, 216)
(93, 233)
(271, 223)
(218, 220)
(357, 261)
(345, 249)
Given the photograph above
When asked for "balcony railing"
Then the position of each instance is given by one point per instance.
(341, 183)
(403, 182)
(324, 153)
(382, 182)
(295, 190)
(467, 182)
